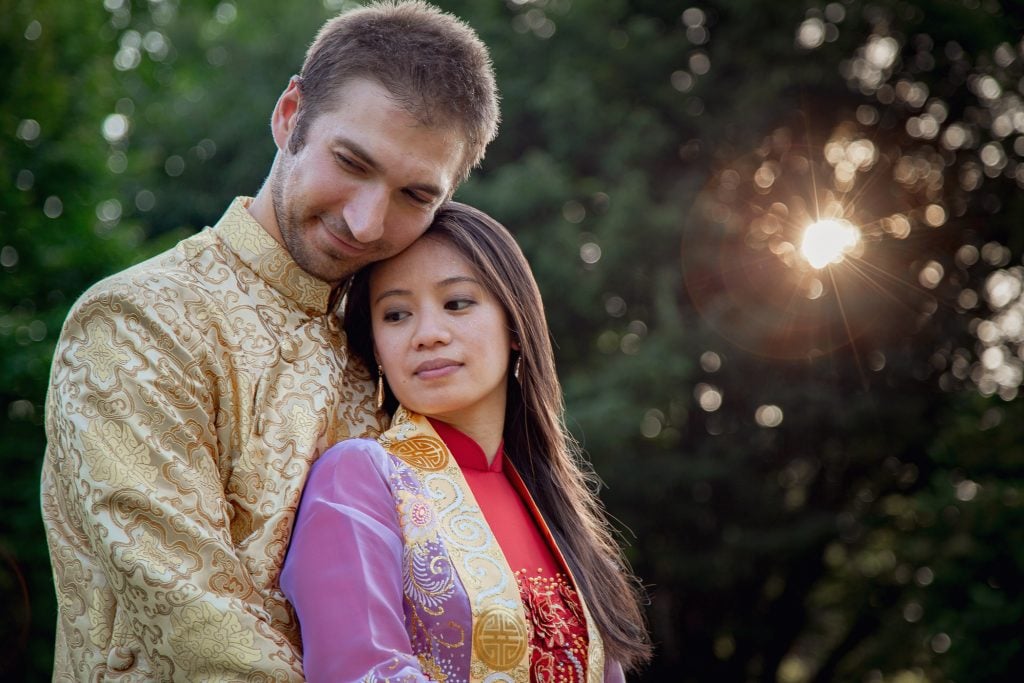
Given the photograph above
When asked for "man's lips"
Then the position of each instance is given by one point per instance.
(345, 245)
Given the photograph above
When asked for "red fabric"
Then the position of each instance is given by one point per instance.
(558, 633)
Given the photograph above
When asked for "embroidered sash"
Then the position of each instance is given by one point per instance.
(500, 648)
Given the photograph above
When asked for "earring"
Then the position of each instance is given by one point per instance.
(517, 367)
(380, 387)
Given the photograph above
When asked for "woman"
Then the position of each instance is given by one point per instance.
(465, 543)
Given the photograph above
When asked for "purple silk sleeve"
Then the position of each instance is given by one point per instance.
(343, 571)
(613, 672)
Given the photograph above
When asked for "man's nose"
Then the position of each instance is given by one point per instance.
(364, 213)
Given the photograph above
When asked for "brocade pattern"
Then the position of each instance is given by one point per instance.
(189, 397)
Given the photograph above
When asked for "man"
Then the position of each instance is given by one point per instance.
(190, 394)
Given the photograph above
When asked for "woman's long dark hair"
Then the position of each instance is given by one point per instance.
(536, 440)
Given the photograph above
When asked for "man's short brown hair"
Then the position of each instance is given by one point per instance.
(432, 63)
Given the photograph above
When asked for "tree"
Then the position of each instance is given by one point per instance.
(62, 230)
(820, 469)
(753, 416)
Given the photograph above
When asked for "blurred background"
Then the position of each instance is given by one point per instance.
(780, 245)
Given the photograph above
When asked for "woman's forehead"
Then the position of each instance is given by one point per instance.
(427, 262)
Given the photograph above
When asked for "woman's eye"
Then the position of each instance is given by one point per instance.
(459, 304)
(395, 316)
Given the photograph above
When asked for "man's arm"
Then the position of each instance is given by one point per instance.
(137, 520)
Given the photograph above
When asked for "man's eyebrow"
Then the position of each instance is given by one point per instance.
(366, 158)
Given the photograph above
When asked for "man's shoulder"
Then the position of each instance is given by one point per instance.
(173, 270)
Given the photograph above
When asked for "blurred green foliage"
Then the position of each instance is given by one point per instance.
(874, 534)
(58, 87)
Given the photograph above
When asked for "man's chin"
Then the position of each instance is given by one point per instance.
(333, 274)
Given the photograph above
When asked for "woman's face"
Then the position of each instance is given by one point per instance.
(440, 336)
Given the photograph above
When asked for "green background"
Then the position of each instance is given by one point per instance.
(657, 160)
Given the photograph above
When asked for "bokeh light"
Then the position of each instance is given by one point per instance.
(828, 241)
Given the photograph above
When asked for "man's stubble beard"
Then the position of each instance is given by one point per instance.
(290, 227)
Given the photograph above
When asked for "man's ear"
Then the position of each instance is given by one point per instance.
(286, 112)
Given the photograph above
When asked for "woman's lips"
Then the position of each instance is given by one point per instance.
(439, 367)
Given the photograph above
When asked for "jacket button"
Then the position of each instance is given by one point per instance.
(289, 350)
(120, 659)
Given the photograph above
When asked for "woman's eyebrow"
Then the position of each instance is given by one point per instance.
(392, 292)
(447, 282)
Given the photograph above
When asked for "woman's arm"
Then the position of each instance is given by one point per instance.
(343, 571)
(613, 672)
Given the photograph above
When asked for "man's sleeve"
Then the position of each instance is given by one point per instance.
(138, 525)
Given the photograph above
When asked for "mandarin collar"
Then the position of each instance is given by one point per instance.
(467, 453)
(254, 246)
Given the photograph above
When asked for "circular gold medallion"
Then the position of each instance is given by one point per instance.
(422, 452)
(499, 638)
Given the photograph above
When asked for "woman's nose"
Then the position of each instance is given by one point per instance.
(431, 329)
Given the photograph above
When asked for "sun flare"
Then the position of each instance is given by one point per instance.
(828, 241)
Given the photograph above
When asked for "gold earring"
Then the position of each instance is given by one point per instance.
(380, 387)
(517, 367)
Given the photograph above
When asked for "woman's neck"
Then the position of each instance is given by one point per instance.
(486, 434)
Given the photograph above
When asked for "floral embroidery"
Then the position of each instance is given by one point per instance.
(558, 634)
(419, 522)
(449, 552)
(431, 669)
(429, 578)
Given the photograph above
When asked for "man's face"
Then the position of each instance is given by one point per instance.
(364, 185)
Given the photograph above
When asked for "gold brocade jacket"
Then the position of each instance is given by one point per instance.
(189, 397)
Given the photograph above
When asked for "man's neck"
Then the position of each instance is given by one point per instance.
(262, 209)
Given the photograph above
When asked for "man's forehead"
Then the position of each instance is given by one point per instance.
(365, 92)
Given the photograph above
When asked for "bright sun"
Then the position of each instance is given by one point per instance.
(827, 241)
